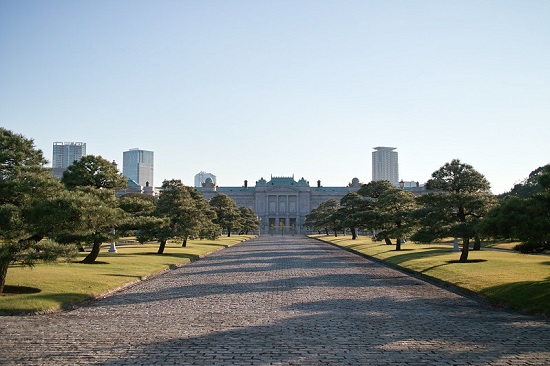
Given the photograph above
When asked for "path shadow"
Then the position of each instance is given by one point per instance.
(355, 332)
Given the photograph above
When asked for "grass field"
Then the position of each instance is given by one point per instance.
(61, 285)
(520, 281)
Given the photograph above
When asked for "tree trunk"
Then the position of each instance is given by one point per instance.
(228, 232)
(90, 258)
(4, 264)
(398, 244)
(161, 247)
(184, 243)
(326, 231)
(335, 233)
(477, 243)
(387, 240)
(353, 233)
(465, 249)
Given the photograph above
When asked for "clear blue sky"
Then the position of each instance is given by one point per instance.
(246, 89)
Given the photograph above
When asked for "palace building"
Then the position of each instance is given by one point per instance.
(281, 203)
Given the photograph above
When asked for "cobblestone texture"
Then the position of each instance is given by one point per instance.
(279, 301)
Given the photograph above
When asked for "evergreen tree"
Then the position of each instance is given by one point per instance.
(459, 197)
(24, 185)
(227, 214)
(96, 179)
(524, 219)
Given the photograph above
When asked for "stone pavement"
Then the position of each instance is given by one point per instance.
(279, 301)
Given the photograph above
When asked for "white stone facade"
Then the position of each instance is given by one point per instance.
(282, 203)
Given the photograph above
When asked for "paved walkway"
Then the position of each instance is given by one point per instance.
(279, 301)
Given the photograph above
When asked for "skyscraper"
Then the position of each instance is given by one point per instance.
(65, 154)
(385, 165)
(138, 165)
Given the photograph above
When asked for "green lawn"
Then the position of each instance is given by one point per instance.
(64, 284)
(517, 280)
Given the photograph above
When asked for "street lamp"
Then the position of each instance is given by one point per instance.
(455, 245)
(112, 249)
(402, 184)
(455, 242)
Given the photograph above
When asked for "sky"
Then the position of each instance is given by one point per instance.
(252, 89)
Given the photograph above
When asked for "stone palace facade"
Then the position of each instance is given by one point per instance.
(280, 203)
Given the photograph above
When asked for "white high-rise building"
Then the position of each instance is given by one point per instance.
(138, 165)
(201, 177)
(385, 165)
(65, 154)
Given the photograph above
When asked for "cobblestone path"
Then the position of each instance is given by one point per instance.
(279, 301)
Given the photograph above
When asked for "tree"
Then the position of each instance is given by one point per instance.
(352, 208)
(24, 182)
(530, 185)
(185, 211)
(138, 204)
(141, 209)
(313, 220)
(94, 171)
(395, 207)
(459, 197)
(204, 216)
(227, 214)
(525, 219)
(375, 188)
(372, 216)
(249, 220)
(96, 179)
(325, 217)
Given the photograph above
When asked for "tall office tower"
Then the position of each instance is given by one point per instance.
(201, 177)
(385, 165)
(65, 154)
(138, 165)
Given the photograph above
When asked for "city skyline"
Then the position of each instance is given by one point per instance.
(247, 89)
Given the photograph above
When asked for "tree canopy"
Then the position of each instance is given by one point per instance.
(24, 184)
(96, 180)
(526, 219)
(227, 214)
(459, 197)
(352, 211)
(394, 207)
(530, 185)
(325, 217)
(249, 221)
(184, 213)
(94, 171)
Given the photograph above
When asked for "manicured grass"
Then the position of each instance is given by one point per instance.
(508, 278)
(64, 284)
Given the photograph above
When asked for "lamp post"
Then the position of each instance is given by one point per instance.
(455, 242)
(112, 249)
(455, 245)
(402, 184)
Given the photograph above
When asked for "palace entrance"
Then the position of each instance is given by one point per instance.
(282, 226)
